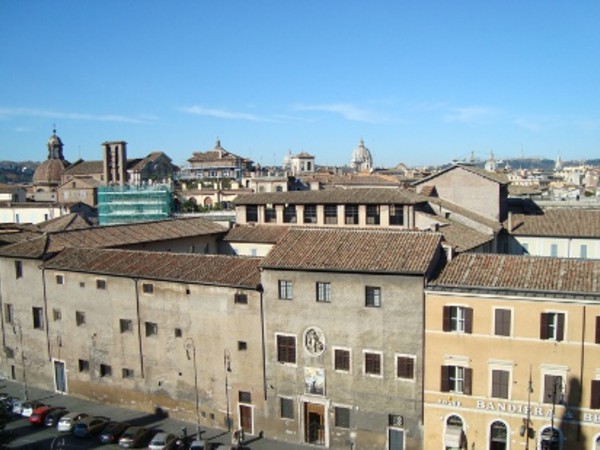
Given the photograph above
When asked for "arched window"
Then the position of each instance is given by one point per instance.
(498, 436)
(550, 439)
(597, 443)
(454, 437)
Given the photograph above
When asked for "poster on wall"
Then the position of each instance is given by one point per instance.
(314, 380)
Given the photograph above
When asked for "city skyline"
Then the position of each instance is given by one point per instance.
(422, 84)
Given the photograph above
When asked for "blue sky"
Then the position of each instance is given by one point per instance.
(422, 82)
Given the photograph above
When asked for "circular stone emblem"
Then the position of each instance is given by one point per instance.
(314, 341)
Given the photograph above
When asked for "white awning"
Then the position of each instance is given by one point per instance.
(453, 436)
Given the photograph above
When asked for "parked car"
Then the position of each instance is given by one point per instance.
(113, 432)
(135, 437)
(28, 408)
(53, 417)
(162, 441)
(198, 444)
(67, 423)
(89, 426)
(17, 407)
(38, 416)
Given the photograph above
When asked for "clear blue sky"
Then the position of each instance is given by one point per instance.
(422, 82)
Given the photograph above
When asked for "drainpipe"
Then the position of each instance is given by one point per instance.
(261, 291)
(46, 314)
(139, 324)
(581, 365)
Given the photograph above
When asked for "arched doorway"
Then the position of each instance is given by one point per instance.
(454, 436)
(498, 436)
(550, 439)
(597, 443)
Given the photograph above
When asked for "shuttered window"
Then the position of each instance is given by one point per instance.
(502, 322)
(500, 383)
(458, 318)
(595, 400)
(552, 326)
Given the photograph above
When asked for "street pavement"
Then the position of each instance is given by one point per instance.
(19, 434)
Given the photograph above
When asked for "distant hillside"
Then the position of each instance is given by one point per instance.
(17, 172)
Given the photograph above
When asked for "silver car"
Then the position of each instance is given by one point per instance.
(68, 422)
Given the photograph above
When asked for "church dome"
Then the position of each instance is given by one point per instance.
(49, 172)
(361, 158)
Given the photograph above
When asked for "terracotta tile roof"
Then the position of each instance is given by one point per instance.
(136, 233)
(333, 196)
(19, 236)
(353, 180)
(267, 234)
(492, 176)
(521, 273)
(84, 168)
(557, 222)
(36, 248)
(219, 270)
(454, 208)
(139, 164)
(458, 236)
(354, 250)
(72, 221)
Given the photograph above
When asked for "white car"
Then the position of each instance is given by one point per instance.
(162, 441)
(28, 407)
(198, 445)
(68, 422)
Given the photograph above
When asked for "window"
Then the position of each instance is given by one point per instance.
(38, 318)
(595, 396)
(151, 329)
(500, 383)
(351, 214)
(80, 318)
(270, 214)
(127, 373)
(60, 279)
(405, 367)
(105, 370)
(331, 214)
(323, 292)
(147, 288)
(285, 290)
(84, 365)
(9, 352)
(552, 326)
(525, 247)
(554, 250)
(373, 296)
(286, 349)
(289, 214)
(342, 417)
(242, 346)
(100, 284)
(458, 318)
(397, 215)
(126, 325)
(8, 313)
(373, 215)
(597, 329)
(56, 314)
(245, 397)
(372, 363)
(456, 379)
(341, 360)
(310, 213)
(502, 322)
(178, 333)
(286, 408)
(251, 213)
(583, 251)
(19, 269)
(240, 298)
(553, 389)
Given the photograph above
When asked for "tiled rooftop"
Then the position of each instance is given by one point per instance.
(467, 213)
(492, 176)
(354, 250)
(378, 196)
(216, 270)
(558, 222)
(72, 221)
(267, 234)
(84, 168)
(521, 273)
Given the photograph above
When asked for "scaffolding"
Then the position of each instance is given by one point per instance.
(130, 204)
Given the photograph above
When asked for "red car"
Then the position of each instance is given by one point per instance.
(39, 414)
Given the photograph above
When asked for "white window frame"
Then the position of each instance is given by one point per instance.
(554, 370)
(458, 322)
(405, 355)
(346, 349)
(364, 363)
(512, 321)
(323, 289)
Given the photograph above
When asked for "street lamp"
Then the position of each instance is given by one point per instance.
(227, 364)
(17, 329)
(191, 348)
(554, 438)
